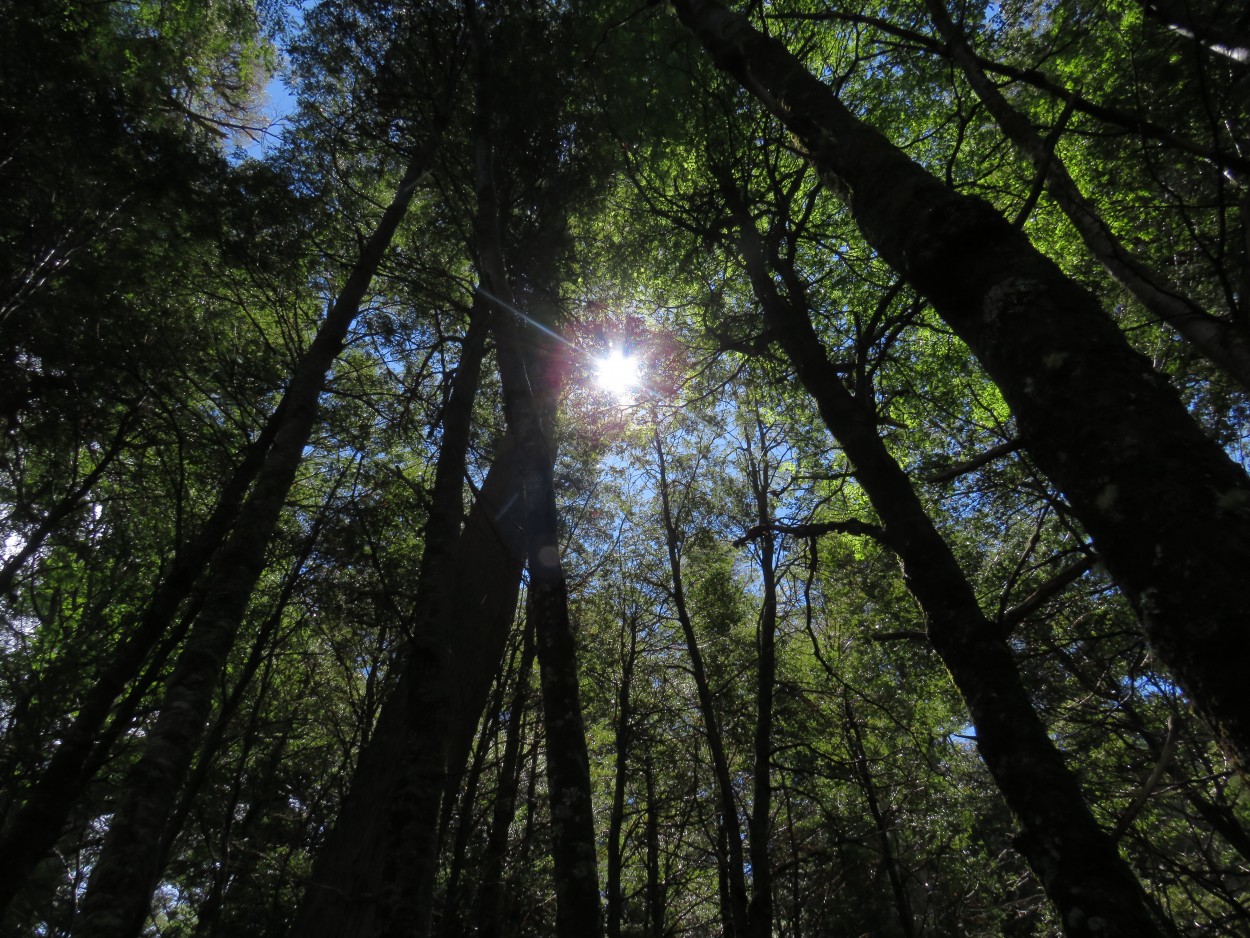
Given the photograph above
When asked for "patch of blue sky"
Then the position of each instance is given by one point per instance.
(278, 97)
(276, 106)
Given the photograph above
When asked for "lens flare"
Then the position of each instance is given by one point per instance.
(617, 373)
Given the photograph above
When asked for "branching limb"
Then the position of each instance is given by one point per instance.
(976, 462)
(1044, 593)
(850, 526)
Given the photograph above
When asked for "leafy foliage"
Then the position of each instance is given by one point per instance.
(156, 294)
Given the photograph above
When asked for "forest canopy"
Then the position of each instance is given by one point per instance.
(639, 468)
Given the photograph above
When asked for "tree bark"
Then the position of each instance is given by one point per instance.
(1219, 340)
(1168, 511)
(1095, 891)
(736, 900)
(344, 895)
(120, 887)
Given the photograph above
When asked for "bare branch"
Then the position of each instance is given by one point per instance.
(1044, 593)
(976, 462)
(1151, 783)
(850, 526)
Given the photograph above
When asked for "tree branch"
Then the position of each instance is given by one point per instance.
(976, 462)
(850, 526)
(1151, 783)
(1040, 80)
(1044, 593)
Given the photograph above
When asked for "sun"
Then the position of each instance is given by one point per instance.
(617, 373)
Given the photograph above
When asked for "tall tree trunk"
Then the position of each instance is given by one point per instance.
(759, 824)
(530, 377)
(228, 867)
(1219, 340)
(262, 652)
(655, 889)
(730, 830)
(796, 866)
(489, 915)
(1078, 865)
(1168, 510)
(343, 896)
(859, 758)
(119, 889)
(454, 919)
(624, 742)
(412, 853)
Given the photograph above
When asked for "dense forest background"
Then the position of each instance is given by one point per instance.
(896, 585)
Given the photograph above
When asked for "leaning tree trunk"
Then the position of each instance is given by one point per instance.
(1168, 510)
(1095, 891)
(1219, 340)
(36, 826)
(120, 888)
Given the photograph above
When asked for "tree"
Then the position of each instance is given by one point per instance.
(1056, 359)
(675, 385)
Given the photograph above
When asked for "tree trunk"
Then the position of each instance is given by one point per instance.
(1219, 340)
(120, 887)
(759, 824)
(1169, 512)
(859, 758)
(35, 827)
(490, 906)
(530, 381)
(624, 741)
(656, 905)
(1078, 865)
(455, 907)
(342, 898)
(412, 853)
(736, 900)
